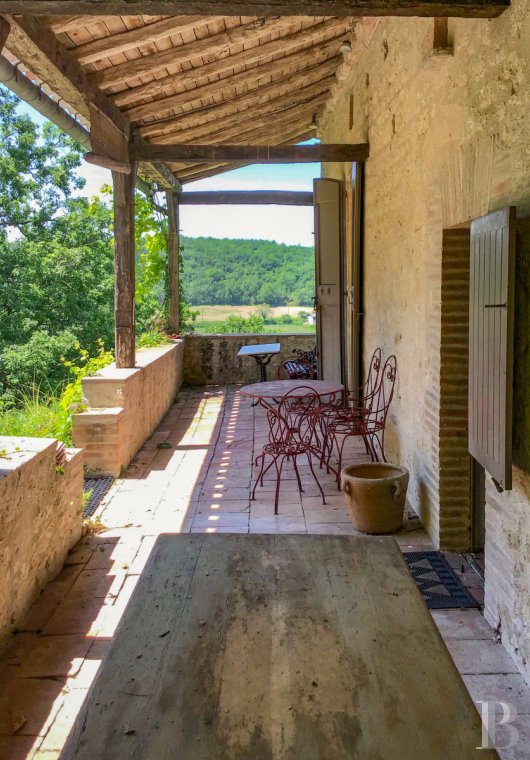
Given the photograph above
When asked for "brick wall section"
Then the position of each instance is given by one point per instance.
(454, 460)
(40, 520)
(125, 407)
(213, 359)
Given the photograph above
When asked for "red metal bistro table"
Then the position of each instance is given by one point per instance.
(274, 389)
(288, 438)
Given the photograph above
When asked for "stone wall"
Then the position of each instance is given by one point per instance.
(212, 359)
(40, 520)
(125, 407)
(449, 141)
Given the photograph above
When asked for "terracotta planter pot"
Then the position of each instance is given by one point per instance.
(376, 494)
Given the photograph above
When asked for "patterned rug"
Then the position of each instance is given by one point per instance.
(440, 586)
(98, 488)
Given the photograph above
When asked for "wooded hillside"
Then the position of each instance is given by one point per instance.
(223, 271)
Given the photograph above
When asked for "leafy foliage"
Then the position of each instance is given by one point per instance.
(237, 324)
(50, 416)
(37, 170)
(247, 272)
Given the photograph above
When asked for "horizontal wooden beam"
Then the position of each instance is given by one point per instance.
(462, 8)
(320, 36)
(248, 197)
(254, 154)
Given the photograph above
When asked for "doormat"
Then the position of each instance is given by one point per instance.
(98, 488)
(439, 584)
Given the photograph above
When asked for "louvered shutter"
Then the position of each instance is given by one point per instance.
(491, 314)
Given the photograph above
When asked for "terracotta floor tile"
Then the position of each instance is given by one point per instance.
(56, 656)
(76, 616)
(27, 706)
(18, 747)
(97, 583)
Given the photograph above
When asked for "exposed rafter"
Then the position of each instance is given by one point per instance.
(247, 123)
(321, 37)
(465, 8)
(95, 50)
(320, 66)
(156, 62)
(296, 88)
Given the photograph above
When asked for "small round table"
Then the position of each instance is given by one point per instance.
(275, 389)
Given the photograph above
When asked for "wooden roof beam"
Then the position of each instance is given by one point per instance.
(246, 122)
(255, 154)
(290, 93)
(321, 36)
(246, 197)
(463, 8)
(104, 47)
(203, 171)
(191, 99)
(154, 62)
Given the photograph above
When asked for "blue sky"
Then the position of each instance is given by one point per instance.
(285, 224)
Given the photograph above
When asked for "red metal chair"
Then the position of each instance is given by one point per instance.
(292, 433)
(346, 406)
(367, 420)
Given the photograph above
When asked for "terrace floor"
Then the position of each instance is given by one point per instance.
(198, 481)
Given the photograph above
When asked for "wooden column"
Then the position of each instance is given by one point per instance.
(124, 255)
(173, 253)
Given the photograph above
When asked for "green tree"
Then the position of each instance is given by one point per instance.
(37, 170)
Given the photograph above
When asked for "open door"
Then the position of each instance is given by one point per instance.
(351, 278)
(328, 195)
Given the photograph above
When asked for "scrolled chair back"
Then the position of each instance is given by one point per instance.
(383, 395)
(296, 415)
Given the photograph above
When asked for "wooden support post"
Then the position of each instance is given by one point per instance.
(173, 262)
(124, 261)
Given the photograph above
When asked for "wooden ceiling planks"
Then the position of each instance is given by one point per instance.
(316, 39)
(197, 78)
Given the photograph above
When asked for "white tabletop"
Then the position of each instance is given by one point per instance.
(259, 350)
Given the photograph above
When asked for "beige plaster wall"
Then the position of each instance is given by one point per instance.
(449, 135)
(40, 520)
(211, 359)
(125, 407)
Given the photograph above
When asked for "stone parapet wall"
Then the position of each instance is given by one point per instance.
(125, 407)
(40, 520)
(213, 359)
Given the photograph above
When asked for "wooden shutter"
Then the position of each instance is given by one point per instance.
(492, 280)
(328, 194)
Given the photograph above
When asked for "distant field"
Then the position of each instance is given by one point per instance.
(218, 313)
(209, 314)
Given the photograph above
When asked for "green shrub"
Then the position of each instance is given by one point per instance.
(41, 415)
(37, 363)
(236, 324)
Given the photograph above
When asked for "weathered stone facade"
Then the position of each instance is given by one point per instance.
(449, 137)
(211, 359)
(40, 520)
(125, 406)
